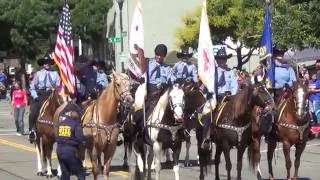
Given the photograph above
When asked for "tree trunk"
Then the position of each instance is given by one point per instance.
(239, 57)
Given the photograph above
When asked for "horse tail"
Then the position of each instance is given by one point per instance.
(252, 163)
(254, 153)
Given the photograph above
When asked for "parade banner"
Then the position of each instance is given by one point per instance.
(63, 53)
(265, 52)
(206, 61)
(136, 40)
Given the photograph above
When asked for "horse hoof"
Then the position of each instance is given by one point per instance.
(40, 174)
(49, 176)
(125, 166)
(187, 164)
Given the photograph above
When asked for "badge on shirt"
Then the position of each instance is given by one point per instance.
(64, 131)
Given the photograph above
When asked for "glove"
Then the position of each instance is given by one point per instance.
(141, 80)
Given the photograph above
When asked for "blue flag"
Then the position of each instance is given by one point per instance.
(265, 52)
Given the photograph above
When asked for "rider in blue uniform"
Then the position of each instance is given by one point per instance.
(284, 73)
(102, 79)
(43, 82)
(70, 137)
(160, 75)
(184, 69)
(226, 80)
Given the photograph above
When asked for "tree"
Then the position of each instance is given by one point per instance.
(33, 24)
(238, 20)
(294, 24)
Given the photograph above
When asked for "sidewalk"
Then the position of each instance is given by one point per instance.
(7, 125)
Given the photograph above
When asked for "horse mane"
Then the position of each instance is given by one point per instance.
(241, 101)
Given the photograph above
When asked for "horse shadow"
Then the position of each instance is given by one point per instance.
(193, 163)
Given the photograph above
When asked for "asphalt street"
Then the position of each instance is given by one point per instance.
(18, 158)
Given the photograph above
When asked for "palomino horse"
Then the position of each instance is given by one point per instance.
(100, 122)
(45, 132)
(291, 127)
(232, 124)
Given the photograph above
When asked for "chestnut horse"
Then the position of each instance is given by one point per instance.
(100, 123)
(45, 133)
(291, 127)
(232, 124)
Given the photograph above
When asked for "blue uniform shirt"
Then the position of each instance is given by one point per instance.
(228, 82)
(44, 80)
(160, 73)
(316, 95)
(89, 80)
(185, 70)
(69, 136)
(284, 74)
(102, 79)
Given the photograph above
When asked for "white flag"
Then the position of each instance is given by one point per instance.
(136, 38)
(206, 61)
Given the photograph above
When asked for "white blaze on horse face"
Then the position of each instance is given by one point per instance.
(177, 102)
(300, 102)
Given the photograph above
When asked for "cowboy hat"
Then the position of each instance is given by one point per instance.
(45, 60)
(185, 53)
(278, 51)
(222, 54)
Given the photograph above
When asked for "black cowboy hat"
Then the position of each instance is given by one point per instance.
(222, 54)
(276, 50)
(45, 60)
(184, 53)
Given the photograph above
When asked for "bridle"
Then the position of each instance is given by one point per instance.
(123, 94)
(173, 106)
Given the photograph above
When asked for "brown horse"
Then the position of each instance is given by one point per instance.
(45, 132)
(100, 122)
(291, 127)
(232, 124)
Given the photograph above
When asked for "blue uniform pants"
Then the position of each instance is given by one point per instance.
(70, 165)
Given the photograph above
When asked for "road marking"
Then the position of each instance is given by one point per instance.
(23, 147)
(277, 149)
(120, 173)
(54, 155)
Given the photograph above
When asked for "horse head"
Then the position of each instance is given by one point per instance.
(122, 88)
(176, 101)
(263, 98)
(300, 98)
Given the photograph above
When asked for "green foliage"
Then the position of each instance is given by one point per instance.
(294, 24)
(33, 24)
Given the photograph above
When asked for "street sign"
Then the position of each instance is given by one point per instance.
(114, 40)
(124, 33)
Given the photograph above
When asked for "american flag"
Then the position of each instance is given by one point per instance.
(63, 53)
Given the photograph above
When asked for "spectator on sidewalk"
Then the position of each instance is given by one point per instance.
(19, 102)
(315, 94)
